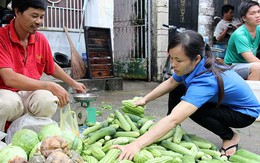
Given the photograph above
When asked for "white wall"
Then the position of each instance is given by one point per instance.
(59, 42)
(98, 13)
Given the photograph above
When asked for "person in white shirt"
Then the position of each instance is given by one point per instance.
(227, 25)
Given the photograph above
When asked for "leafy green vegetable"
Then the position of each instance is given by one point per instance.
(26, 139)
(10, 151)
(36, 149)
(49, 130)
(105, 106)
(75, 142)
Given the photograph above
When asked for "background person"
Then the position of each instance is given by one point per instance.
(227, 25)
(25, 55)
(213, 97)
(243, 43)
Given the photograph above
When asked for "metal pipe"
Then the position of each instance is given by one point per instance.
(67, 13)
(138, 31)
(74, 14)
(82, 17)
(55, 17)
(142, 31)
(70, 19)
(51, 17)
(149, 40)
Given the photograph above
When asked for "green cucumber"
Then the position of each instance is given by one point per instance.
(131, 123)
(123, 121)
(133, 134)
(248, 154)
(111, 156)
(176, 147)
(146, 126)
(240, 159)
(101, 134)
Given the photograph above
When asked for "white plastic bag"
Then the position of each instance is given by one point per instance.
(29, 122)
(2, 144)
(2, 135)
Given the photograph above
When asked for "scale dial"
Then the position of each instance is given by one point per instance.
(81, 114)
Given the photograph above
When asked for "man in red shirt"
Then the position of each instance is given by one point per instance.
(25, 55)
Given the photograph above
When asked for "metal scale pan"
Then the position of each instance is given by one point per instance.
(84, 99)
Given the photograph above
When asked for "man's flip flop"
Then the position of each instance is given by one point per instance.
(228, 148)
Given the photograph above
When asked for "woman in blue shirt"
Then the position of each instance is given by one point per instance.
(217, 98)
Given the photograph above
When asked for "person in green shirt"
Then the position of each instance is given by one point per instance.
(243, 43)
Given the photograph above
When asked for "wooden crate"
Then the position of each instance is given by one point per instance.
(99, 52)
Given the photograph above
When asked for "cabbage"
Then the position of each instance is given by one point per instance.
(26, 139)
(49, 130)
(10, 151)
(75, 142)
(36, 149)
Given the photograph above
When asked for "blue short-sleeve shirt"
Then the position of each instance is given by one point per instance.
(203, 88)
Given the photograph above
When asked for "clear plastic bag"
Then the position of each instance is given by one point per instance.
(68, 120)
(2, 135)
(2, 145)
(29, 122)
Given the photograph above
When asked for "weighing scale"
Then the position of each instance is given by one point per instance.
(85, 114)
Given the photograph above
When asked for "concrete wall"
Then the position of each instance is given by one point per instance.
(59, 42)
(205, 20)
(161, 40)
(98, 14)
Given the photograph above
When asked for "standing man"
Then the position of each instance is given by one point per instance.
(25, 55)
(244, 42)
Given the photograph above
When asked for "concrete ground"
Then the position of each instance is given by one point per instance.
(158, 108)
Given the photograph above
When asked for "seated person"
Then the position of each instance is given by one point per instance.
(243, 43)
(225, 27)
(25, 55)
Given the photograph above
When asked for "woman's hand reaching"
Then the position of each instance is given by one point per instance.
(140, 102)
(127, 151)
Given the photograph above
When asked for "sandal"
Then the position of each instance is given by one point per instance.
(228, 148)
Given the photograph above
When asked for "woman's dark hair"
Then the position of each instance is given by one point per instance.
(226, 8)
(245, 6)
(23, 5)
(193, 45)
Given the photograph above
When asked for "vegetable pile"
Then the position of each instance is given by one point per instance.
(122, 126)
(49, 146)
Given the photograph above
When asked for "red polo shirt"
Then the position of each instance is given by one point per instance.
(13, 55)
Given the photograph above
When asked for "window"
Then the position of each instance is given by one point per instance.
(61, 13)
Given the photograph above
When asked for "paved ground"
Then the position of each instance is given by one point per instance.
(158, 108)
